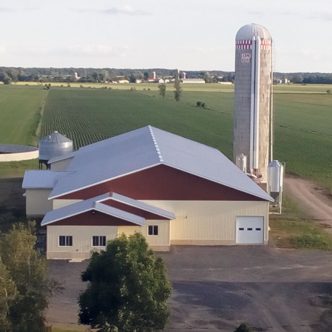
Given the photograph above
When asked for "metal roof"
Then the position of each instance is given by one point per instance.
(147, 147)
(55, 137)
(62, 157)
(96, 204)
(249, 31)
(38, 179)
(142, 206)
(89, 205)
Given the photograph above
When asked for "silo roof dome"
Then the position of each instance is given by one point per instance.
(247, 32)
(55, 137)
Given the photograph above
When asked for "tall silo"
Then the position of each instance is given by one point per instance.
(53, 145)
(253, 100)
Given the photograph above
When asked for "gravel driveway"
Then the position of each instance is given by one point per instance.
(217, 288)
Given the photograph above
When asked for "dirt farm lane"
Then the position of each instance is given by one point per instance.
(312, 199)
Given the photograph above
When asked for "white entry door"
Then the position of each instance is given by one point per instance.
(250, 230)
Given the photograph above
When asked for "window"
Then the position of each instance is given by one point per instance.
(241, 229)
(99, 241)
(65, 240)
(258, 229)
(153, 230)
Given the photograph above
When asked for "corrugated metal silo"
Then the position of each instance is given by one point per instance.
(54, 145)
(253, 99)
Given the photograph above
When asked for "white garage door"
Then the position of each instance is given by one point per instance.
(250, 230)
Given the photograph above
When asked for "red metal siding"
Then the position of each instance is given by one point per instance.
(133, 210)
(164, 183)
(92, 218)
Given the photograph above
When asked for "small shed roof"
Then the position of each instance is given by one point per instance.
(40, 179)
(96, 204)
(142, 206)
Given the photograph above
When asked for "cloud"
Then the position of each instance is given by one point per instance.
(125, 10)
(321, 16)
(75, 50)
(94, 50)
(7, 10)
(16, 10)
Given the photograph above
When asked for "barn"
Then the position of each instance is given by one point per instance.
(173, 190)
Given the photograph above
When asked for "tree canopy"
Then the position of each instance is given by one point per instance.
(128, 288)
(178, 90)
(24, 287)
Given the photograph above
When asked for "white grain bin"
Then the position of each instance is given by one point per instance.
(54, 145)
(276, 176)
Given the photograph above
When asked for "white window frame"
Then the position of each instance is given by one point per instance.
(99, 238)
(154, 228)
(66, 240)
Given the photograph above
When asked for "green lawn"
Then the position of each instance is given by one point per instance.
(292, 229)
(20, 113)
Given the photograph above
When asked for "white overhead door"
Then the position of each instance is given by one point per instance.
(250, 230)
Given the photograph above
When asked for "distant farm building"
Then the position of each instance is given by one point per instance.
(171, 189)
(193, 81)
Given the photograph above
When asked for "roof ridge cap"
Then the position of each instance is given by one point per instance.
(155, 144)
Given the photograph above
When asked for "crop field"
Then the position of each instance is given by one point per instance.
(90, 115)
(303, 118)
(303, 121)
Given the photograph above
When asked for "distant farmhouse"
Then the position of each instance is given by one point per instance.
(171, 189)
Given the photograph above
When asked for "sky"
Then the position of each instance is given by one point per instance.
(184, 34)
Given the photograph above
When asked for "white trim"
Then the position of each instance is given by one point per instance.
(257, 105)
(224, 184)
(102, 208)
(169, 165)
(118, 213)
(155, 144)
(147, 207)
(72, 241)
(61, 158)
(103, 181)
(65, 217)
(153, 230)
(99, 236)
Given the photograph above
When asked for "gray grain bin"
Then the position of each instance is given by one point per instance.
(253, 99)
(53, 145)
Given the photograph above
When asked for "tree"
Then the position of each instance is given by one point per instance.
(162, 89)
(146, 76)
(27, 269)
(243, 328)
(132, 78)
(178, 90)
(7, 296)
(127, 288)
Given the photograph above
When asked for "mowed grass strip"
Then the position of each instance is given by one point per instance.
(292, 229)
